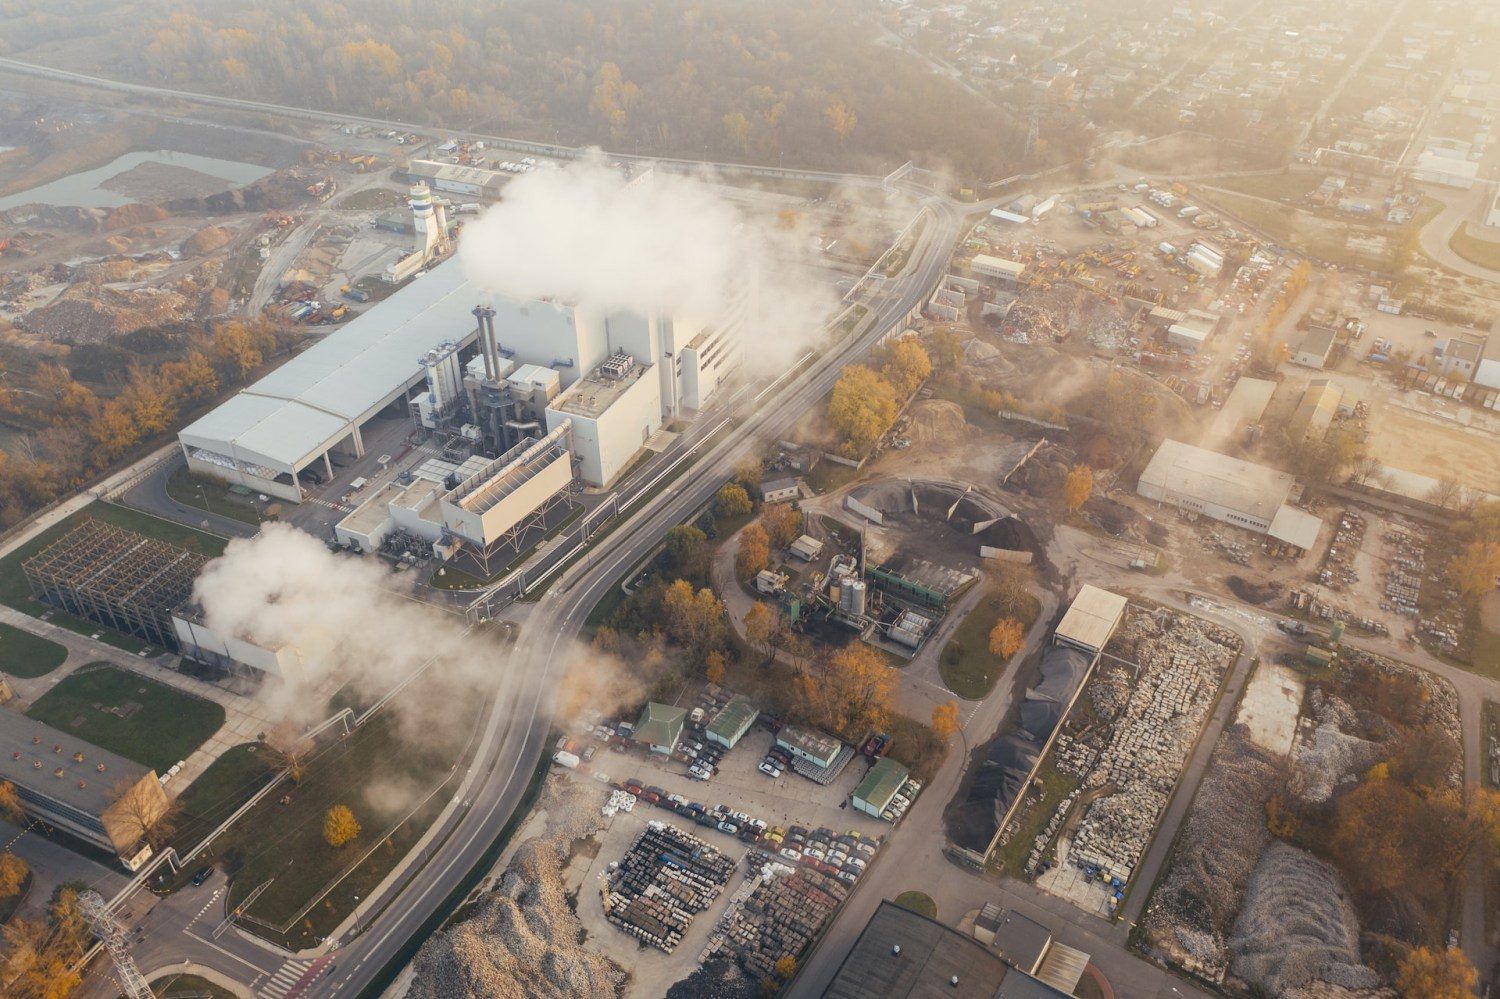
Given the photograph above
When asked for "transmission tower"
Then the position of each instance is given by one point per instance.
(96, 911)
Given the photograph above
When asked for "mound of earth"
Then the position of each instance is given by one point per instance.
(107, 270)
(1297, 926)
(936, 421)
(134, 214)
(206, 240)
(90, 314)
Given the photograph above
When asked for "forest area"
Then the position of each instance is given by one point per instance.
(778, 82)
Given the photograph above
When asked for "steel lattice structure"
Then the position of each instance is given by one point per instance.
(93, 907)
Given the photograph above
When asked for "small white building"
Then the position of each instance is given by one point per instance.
(1091, 619)
(806, 548)
(1314, 349)
(997, 268)
(780, 490)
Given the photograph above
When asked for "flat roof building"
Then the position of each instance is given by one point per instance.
(1246, 404)
(779, 490)
(614, 411)
(985, 265)
(814, 747)
(455, 179)
(1226, 489)
(1315, 412)
(1091, 619)
(1314, 349)
(91, 793)
(902, 954)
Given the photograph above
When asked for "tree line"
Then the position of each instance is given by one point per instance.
(81, 430)
(799, 84)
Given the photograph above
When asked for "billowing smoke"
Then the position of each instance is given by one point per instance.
(349, 630)
(284, 588)
(664, 244)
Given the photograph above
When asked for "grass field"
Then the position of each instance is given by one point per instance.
(387, 783)
(161, 725)
(917, 901)
(1289, 187)
(27, 656)
(967, 665)
(14, 591)
(227, 783)
(1056, 785)
(1484, 252)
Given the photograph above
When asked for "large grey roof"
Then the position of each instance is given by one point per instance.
(319, 395)
(931, 955)
(54, 748)
(1255, 490)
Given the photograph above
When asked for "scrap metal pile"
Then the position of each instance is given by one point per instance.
(665, 878)
(1182, 661)
(1338, 563)
(780, 915)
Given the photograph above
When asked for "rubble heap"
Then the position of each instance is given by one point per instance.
(522, 942)
(1297, 926)
(1195, 904)
(1182, 661)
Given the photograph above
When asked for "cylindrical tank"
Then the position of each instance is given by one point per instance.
(856, 592)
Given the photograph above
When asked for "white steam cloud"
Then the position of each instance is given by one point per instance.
(664, 244)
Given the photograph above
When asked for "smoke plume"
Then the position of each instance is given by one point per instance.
(663, 244)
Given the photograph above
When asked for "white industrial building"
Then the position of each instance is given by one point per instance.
(1009, 271)
(407, 354)
(1229, 490)
(198, 641)
(452, 178)
(1434, 168)
(1091, 619)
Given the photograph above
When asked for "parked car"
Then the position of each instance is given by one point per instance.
(791, 853)
(202, 875)
(728, 827)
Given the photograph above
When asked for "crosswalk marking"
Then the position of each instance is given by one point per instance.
(293, 978)
(206, 906)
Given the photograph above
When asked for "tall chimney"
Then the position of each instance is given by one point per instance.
(484, 349)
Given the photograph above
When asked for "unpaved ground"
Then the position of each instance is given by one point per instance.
(1437, 445)
(1270, 705)
(164, 181)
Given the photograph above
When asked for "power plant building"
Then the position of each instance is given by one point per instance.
(613, 412)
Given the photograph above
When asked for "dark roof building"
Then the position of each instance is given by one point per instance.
(901, 954)
(88, 792)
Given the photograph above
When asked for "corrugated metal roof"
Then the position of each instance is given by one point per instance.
(323, 392)
(881, 783)
(1195, 472)
(735, 717)
(1295, 527)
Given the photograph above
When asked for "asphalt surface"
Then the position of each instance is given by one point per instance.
(517, 729)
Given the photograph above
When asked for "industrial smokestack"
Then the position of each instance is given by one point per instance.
(484, 349)
(491, 340)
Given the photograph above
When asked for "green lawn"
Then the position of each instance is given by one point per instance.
(380, 778)
(27, 656)
(227, 783)
(207, 494)
(917, 901)
(1011, 856)
(14, 591)
(160, 725)
(967, 665)
(188, 987)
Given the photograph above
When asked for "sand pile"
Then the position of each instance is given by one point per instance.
(206, 240)
(936, 422)
(91, 314)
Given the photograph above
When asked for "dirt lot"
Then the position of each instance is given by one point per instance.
(1434, 443)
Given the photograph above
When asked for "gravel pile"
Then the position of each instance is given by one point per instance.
(523, 939)
(1297, 926)
(1196, 902)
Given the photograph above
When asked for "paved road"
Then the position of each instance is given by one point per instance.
(516, 731)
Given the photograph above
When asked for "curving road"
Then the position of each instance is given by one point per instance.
(516, 730)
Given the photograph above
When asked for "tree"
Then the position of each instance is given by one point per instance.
(13, 875)
(340, 827)
(783, 523)
(748, 472)
(1077, 487)
(1011, 588)
(852, 693)
(694, 619)
(947, 350)
(731, 500)
(841, 119)
(686, 551)
(1007, 637)
(1426, 973)
(755, 551)
(786, 967)
(1473, 570)
(144, 812)
(10, 804)
(714, 666)
(906, 366)
(945, 720)
(862, 407)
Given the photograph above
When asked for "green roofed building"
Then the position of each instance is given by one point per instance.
(880, 785)
(660, 727)
(732, 722)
